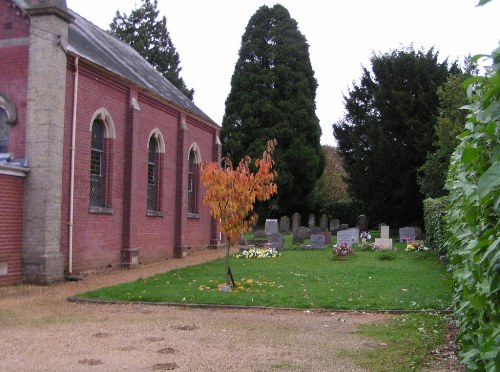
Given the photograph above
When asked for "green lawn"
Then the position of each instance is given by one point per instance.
(302, 279)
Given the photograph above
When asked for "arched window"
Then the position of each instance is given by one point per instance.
(152, 176)
(193, 179)
(156, 148)
(4, 131)
(97, 166)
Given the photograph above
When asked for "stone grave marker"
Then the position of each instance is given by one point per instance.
(315, 230)
(295, 221)
(311, 221)
(328, 236)
(318, 241)
(271, 226)
(407, 234)
(384, 232)
(384, 242)
(323, 222)
(344, 236)
(285, 224)
(259, 234)
(276, 240)
(355, 234)
(334, 225)
(300, 234)
(362, 222)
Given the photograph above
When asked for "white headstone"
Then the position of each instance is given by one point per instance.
(384, 232)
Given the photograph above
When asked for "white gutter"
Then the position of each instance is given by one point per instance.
(72, 171)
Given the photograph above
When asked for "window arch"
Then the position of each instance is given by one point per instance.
(156, 147)
(194, 160)
(8, 118)
(102, 132)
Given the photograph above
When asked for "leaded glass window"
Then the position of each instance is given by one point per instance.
(4, 131)
(192, 208)
(97, 165)
(152, 176)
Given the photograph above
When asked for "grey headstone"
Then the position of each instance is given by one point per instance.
(355, 234)
(299, 235)
(276, 240)
(384, 232)
(323, 222)
(362, 222)
(315, 229)
(296, 221)
(334, 224)
(407, 233)
(259, 234)
(311, 221)
(344, 236)
(318, 241)
(271, 226)
(285, 224)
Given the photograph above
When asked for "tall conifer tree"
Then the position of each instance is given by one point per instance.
(273, 91)
(388, 128)
(148, 35)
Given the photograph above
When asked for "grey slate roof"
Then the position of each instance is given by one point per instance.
(97, 46)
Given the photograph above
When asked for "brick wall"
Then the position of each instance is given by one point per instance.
(11, 221)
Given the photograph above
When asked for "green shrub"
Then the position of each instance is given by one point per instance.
(386, 254)
(435, 224)
(474, 224)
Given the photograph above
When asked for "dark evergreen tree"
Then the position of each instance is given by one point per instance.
(451, 122)
(148, 35)
(273, 91)
(388, 128)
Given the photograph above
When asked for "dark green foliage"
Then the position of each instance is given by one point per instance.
(150, 38)
(450, 124)
(387, 131)
(435, 223)
(474, 224)
(346, 211)
(273, 91)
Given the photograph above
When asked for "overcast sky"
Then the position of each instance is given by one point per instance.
(342, 36)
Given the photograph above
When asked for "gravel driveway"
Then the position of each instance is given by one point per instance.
(41, 331)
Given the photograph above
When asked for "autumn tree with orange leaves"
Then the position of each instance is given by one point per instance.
(231, 194)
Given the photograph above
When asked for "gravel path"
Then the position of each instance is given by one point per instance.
(41, 331)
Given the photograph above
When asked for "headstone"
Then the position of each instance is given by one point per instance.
(328, 236)
(385, 243)
(344, 236)
(407, 234)
(334, 225)
(323, 222)
(318, 241)
(384, 232)
(285, 224)
(355, 234)
(271, 226)
(315, 230)
(362, 222)
(300, 234)
(259, 234)
(276, 240)
(311, 221)
(295, 221)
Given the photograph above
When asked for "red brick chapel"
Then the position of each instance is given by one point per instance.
(99, 154)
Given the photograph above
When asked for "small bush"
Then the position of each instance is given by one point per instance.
(386, 254)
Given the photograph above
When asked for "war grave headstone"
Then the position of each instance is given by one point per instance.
(384, 232)
(362, 222)
(344, 236)
(285, 224)
(312, 220)
(296, 221)
(334, 225)
(271, 226)
(276, 240)
(407, 234)
(323, 222)
(318, 241)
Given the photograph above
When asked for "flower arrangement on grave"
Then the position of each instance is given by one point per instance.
(415, 247)
(341, 250)
(364, 235)
(406, 239)
(266, 252)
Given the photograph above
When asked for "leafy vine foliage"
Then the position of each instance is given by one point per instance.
(473, 222)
